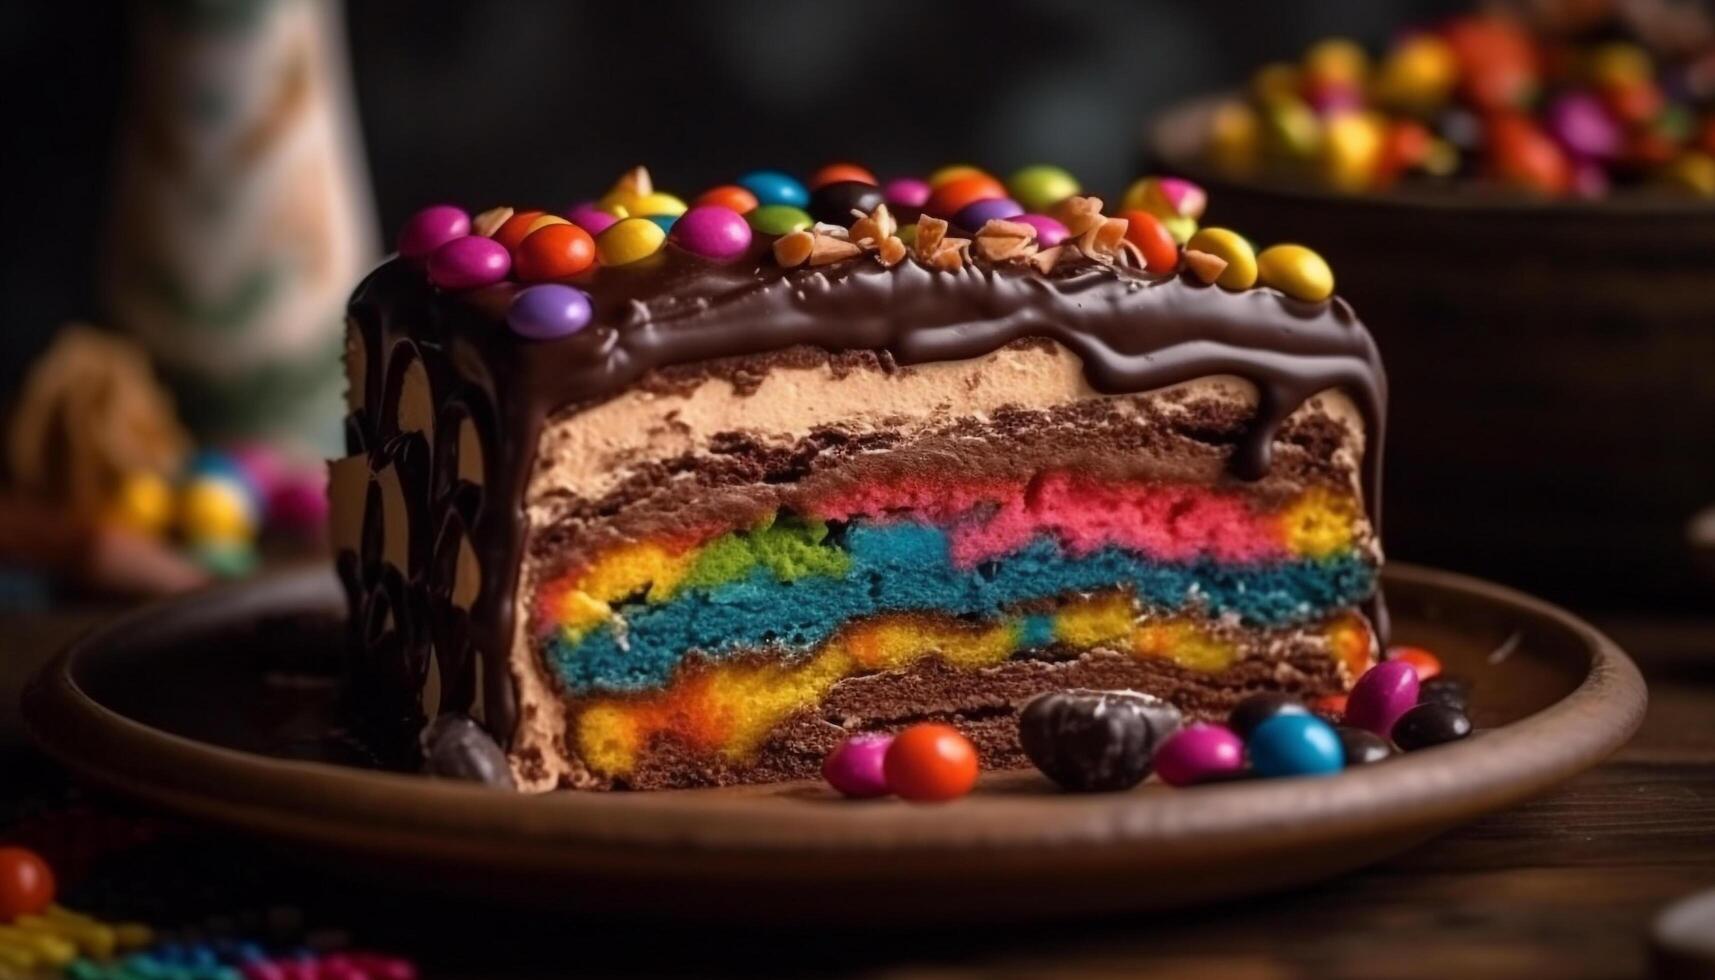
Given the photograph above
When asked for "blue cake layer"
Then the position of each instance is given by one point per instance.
(905, 567)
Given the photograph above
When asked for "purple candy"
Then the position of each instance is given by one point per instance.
(979, 213)
(431, 228)
(466, 263)
(1580, 122)
(712, 231)
(854, 767)
(1386, 691)
(1199, 753)
(1049, 232)
(590, 218)
(906, 192)
(548, 312)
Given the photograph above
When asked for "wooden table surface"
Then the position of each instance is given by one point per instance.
(1562, 887)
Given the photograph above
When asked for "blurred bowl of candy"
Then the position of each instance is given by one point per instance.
(1525, 218)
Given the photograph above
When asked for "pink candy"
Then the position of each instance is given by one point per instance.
(590, 218)
(1386, 691)
(1199, 753)
(1049, 232)
(854, 767)
(906, 192)
(431, 228)
(468, 263)
(712, 231)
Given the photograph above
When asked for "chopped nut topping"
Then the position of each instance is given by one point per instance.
(930, 231)
(637, 181)
(832, 231)
(1005, 241)
(489, 222)
(1101, 241)
(794, 249)
(1082, 214)
(950, 254)
(1203, 265)
(891, 251)
(826, 249)
(1129, 250)
(1045, 260)
(875, 228)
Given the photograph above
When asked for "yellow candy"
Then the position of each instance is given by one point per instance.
(629, 240)
(1232, 249)
(1276, 80)
(143, 503)
(1417, 76)
(543, 222)
(1296, 271)
(93, 938)
(1691, 171)
(1336, 59)
(1290, 128)
(1351, 144)
(213, 509)
(953, 172)
(656, 203)
(1181, 227)
(1235, 139)
(1620, 65)
(49, 948)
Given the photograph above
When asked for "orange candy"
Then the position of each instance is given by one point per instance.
(1145, 230)
(1426, 664)
(930, 763)
(26, 883)
(512, 231)
(729, 196)
(950, 198)
(1524, 156)
(834, 173)
(1406, 145)
(1330, 706)
(556, 251)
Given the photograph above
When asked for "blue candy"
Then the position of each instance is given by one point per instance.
(774, 187)
(1296, 745)
(664, 220)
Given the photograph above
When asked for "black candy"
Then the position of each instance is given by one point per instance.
(1095, 741)
(456, 747)
(1258, 708)
(1362, 746)
(1450, 691)
(834, 203)
(1430, 724)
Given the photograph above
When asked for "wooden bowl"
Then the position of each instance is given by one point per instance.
(1552, 364)
(219, 708)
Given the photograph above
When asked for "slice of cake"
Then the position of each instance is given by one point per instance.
(739, 494)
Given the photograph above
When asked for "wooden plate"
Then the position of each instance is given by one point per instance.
(220, 708)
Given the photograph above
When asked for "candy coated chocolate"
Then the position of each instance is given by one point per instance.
(973, 216)
(470, 262)
(774, 187)
(431, 228)
(1095, 741)
(591, 218)
(948, 199)
(1362, 747)
(1200, 753)
(629, 240)
(1454, 692)
(1430, 724)
(1258, 708)
(26, 883)
(855, 766)
(712, 231)
(456, 747)
(1146, 231)
(1230, 247)
(834, 203)
(1385, 692)
(1296, 745)
(907, 192)
(1581, 124)
(930, 763)
(729, 196)
(836, 172)
(556, 251)
(1042, 186)
(1049, 231)
(548, 312)
(779, 219)
(1427, 664)
(1296, 271)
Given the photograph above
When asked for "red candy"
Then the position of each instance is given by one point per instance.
(1427, 664)
(553, 252)
(1406, 145)
(930, 763)
(952, 197)
(729, 196)
(511, 232)
(1524, 156)
(834, 173)
(1145, 230)
(26, 883)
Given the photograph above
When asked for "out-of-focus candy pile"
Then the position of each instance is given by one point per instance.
(1480, 99)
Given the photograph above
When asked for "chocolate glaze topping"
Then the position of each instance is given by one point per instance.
(1133, 332)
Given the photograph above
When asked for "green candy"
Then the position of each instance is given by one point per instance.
(1040, 187)
(778, 219)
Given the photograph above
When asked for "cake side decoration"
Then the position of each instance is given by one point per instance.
(702, 508)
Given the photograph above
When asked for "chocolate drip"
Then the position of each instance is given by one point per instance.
(1133, 332)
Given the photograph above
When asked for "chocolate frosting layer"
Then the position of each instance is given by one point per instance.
(1132, 331)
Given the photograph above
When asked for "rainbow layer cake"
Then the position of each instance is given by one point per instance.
(653, 496)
